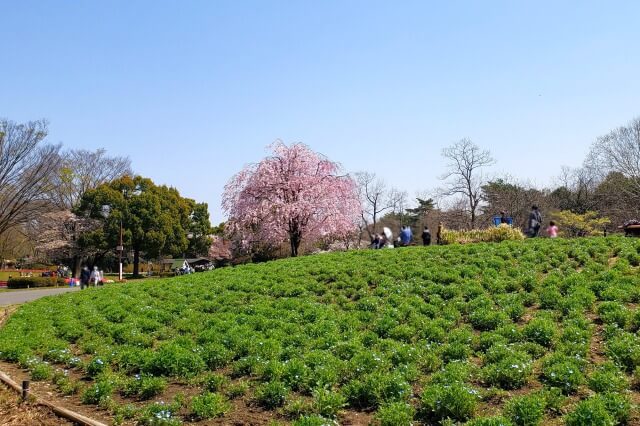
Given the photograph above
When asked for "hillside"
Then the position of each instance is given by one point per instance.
(542, 330)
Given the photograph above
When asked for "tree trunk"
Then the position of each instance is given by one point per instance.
(136, 263)
(295, 239)
(77, 266)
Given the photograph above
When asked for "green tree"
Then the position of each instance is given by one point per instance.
(418, 213)
(156, 220)
(200, 229)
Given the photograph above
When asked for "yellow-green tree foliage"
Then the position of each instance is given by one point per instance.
(580, 225)
(489, 235)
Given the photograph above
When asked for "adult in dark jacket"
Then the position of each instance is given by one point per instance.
(85, 275)
(535, 221)
(426, 236)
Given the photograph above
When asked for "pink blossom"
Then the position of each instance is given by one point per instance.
(294, 194)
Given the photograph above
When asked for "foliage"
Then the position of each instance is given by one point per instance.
(156, 220)
(209, 405)
(447, 330)
(455, 401)
(32, 282)
(580, 225)
(526, 410)
(395, 414)
(494, 235)
(296, 194)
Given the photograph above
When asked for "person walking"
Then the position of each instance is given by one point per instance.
(426, 236)
(535, 221)
(85, 276)
(552, 230)
(96, 277)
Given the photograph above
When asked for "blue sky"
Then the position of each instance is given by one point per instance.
(193, 90)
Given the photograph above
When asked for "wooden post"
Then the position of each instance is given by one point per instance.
(25, 389)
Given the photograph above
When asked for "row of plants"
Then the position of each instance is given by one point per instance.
(422, 335)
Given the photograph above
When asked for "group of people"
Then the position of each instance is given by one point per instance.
(88, 277)
(385, 239)
(534, 224)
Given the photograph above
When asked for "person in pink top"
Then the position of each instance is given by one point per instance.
(552, 230)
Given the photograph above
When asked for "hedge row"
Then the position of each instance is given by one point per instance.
(31, 282)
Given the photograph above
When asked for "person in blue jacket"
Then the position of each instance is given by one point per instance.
(405, 236)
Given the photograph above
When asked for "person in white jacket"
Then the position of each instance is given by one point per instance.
(96, 276)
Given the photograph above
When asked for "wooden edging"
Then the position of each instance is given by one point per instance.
(60, 411)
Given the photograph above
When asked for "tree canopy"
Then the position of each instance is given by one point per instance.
(294, 194)
(156, 220)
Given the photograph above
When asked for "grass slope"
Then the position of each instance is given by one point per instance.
(516, 333)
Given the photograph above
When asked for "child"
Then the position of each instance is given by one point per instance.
(552, 230)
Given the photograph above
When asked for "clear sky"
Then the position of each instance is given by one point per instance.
(193, 90)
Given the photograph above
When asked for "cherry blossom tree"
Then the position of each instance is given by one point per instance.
(294, 194)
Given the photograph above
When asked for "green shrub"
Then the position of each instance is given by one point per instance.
(375, 389)
(97, 393)
(455, 401)
(395, 414)
(590, 412)
(236, 390)
(159, 414)
(607, 378)
(624, 349)
(175, 360)
(41, 371)
(617, 405)
(486, 319)
(489, 421)
(271, 395)
(526, 410)
(297, 407)
(33, 282)
(511, 372)
(614, 313)
(144, 386)
(314, 420)
(327, 403)
(563, 373)
(213, 382)
(209, 405)
(541, 331)
(96, 366)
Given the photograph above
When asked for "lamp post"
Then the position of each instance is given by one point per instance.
(106, 212)
(120, 247)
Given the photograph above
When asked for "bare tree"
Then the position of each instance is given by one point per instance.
(376, 198)
(619, 151)
(81, 170)
(464, 175)
(26, 170)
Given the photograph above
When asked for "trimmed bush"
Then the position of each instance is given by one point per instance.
(33, 282)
